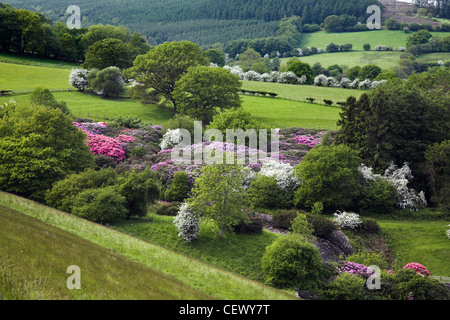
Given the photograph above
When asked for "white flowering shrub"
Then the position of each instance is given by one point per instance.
(320, 80)
(300, 52)
(440, 63)
(448, 233)
(251, 75)
(287, 77)
(282, 172)
(377, 83)
(265, 77)
(345, 82)
(187, 223)
(248, 176)
(331, 82)
(347, 220)
(401, 49)
(380, 48)
(354, 84)
(366, 84)
(236, 70)
(78, 79)
(302, 80)
(407, 198)
(171, 138)
(273, 76)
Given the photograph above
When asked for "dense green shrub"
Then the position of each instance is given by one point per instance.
(102, 161)
(378, 196)
(180, 188)
(290, 261)
(408, 285)
(368, 226)
(321, 225)
(100, 205)
(127, 122)
(368, 259)
(169, 210)
(284, 218)
(264, 192)
(138, 189)
(344, 287)
(255, 225)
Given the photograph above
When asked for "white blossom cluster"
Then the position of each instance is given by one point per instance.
(171, 138)
(274, 76)
(78, 79)
(187, 223)
(407, 198)
(322, 80)
(448, 233)
(249, 176)
(283, 173)
(347, 220)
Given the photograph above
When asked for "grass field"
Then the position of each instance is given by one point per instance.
(194, 273)
(35, 257)
(25, 77)
(300, 92)
(34, 61)
(389, 38)
(420, 241)
(383, 59)
(279, 113)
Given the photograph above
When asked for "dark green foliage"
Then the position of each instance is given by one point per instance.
(138, 189)
(63, 193)
(264, 192)
(325, 170)
(169, 210)
(38, 146)
(102, 161)
(284, 218)
(369, 71)
(397, 121)
(204, 91)
(158, 70)
(292, 262)
(216, 56)
(353, 72)
(344, 287)
(302, 69)
(180, 188)
(437, 159)
(378, 196)
(43, 97)
(127, 122)
(366, 47)
(100, 205)
(368, 226)
(106, 53)
(321, 225)
(107, 82)
(254, 226)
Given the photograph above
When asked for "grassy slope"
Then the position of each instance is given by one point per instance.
(35, 257)
(389, 38)
(423, 242)
(25, 77)
(193, 273)
(280, 113)
(35, 61)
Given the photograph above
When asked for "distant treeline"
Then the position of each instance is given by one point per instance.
(28, 32)
(201, 21)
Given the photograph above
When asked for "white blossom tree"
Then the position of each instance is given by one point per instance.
(187, 223)
(78, 79)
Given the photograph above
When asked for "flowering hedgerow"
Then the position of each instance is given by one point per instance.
(418, 268)
(356, 269)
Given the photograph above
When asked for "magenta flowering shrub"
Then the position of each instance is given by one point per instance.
(418, 268)
(100, 144)
(356, 269)
(94, 128)
(125, 138)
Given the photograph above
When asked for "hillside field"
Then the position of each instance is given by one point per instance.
(193, 273)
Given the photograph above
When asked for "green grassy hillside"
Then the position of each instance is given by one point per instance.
(389, 38)
(193, 273)
(35, 257)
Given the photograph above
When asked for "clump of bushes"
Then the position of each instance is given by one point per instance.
(322, 226)
(291, 261)
(253, 226)
(284, 218)
(170, 209)
(264, 192)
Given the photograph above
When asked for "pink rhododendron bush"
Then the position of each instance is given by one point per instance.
(418, 268)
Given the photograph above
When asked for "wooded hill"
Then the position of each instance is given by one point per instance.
(200, 21)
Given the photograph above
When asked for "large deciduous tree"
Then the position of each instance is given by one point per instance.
(219, 195)
(202, 91)
(108, 53)
(157, 71)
